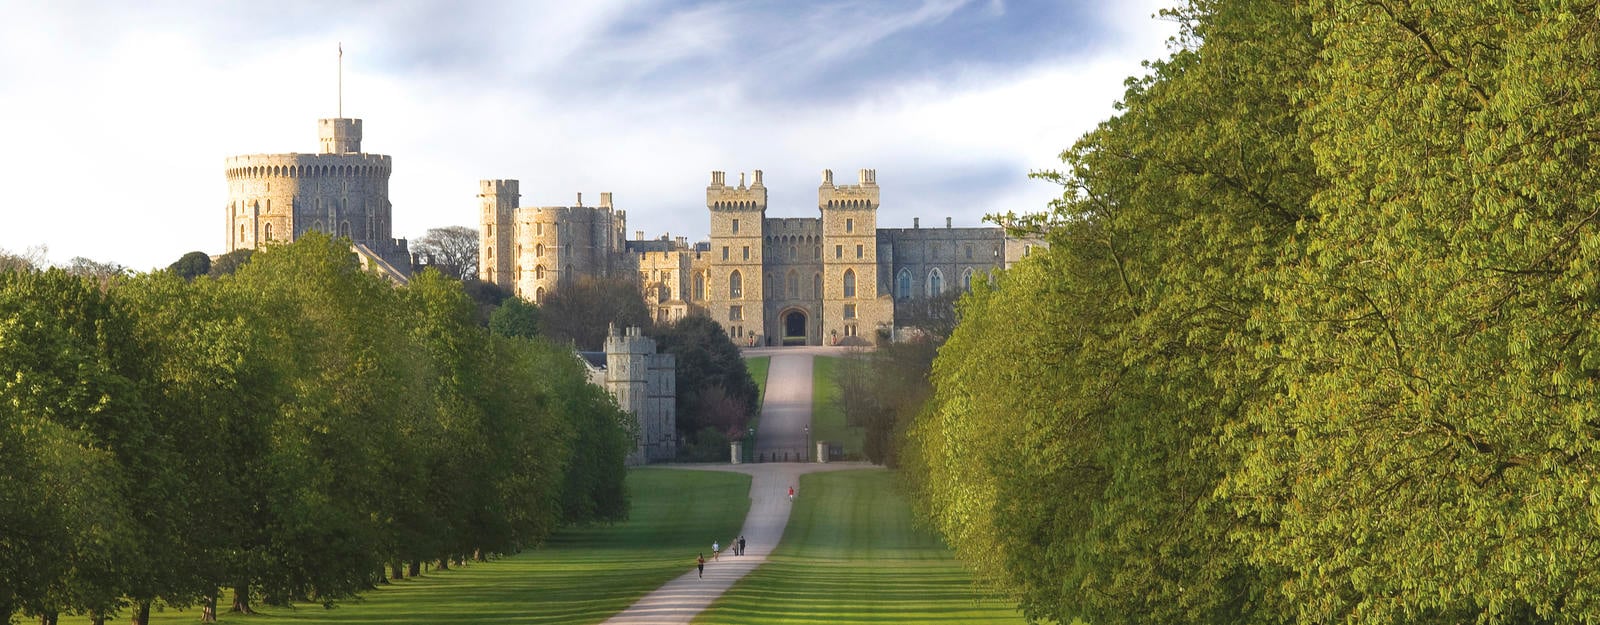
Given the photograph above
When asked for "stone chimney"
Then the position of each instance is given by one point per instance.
(947, 223)
(916, 222)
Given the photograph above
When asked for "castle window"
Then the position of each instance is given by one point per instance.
(849, 283)
(736, 226)
(816, 286)
(1027, 249)
(735, 286)
(902, 284)
(699, 286)
(838, 251)
(724, 252)
(735, 313)
(793, 285)
(538, 272)
(966, 280)
(268, 229)
(792, 253)
(859, 251)
(538, 295)
(344, 229)
(241, 233)
(969, 252)
(747, 252)
(849, 311)
(935, 282)
(849, 225)
(816, 254)
(538, 228)
(538, 251)
(488, 230)
(489, 251)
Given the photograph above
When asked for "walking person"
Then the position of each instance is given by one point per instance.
(716, 549)
(791, 494)
(741, 544)
(700, 563)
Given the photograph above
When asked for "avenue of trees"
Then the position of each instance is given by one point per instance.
(1315, 339)
(298, 430)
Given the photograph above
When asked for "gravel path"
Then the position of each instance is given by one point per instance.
(785, 413)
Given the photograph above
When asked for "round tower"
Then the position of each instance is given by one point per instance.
(275, 198)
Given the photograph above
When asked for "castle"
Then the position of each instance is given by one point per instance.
(834, 279)
(340, 191)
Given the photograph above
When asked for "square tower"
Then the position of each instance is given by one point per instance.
(734, 277)
(851, 306)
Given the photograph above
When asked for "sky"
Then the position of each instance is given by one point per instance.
(115, 117)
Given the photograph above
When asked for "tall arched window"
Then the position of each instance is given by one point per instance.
(538, 251)
(935, 282)
(793, 284)
(735, 285)
(902, 284)
(966, 280)
(849, 283)
(269, 231)
(344, 229)
(538, 295)
(538, 272)
(699, 286)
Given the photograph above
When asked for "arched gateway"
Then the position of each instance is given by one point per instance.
(794, 326)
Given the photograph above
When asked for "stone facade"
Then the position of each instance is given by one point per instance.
(275, 198)
(645, 384)
(833, 279)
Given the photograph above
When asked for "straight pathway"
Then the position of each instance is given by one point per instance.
(681, 599)
(785, 413)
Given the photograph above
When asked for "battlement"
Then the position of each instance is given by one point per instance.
(498, 187)
(863, 195)
(720, 196)
(340, 135)
(292, 165)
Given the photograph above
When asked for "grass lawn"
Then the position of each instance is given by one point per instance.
(827, 417)
(581, 576)
(851, 555)
(758, 371)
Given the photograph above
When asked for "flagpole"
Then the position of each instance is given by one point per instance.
(341, 80)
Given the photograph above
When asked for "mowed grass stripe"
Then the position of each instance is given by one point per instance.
(581, 576)
(851, 554)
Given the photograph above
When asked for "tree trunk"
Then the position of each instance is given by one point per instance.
(208, 608)
(399, 570)
(477, 556)
(444, 563)
(416, 568)
(241, 600)
(97, 618)
(47, 618)
(141, 615)
(383, 574)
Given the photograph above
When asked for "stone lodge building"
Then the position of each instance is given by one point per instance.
(833, 279)
(645, 385)
(275, 198)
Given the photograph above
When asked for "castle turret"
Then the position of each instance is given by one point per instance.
(340, 135)
(497, 200)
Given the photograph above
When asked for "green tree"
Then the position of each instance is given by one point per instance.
(191, 265)
(709, 368)
(228, 263)
(515, 317)
(1091, 425)
(1432, 458)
